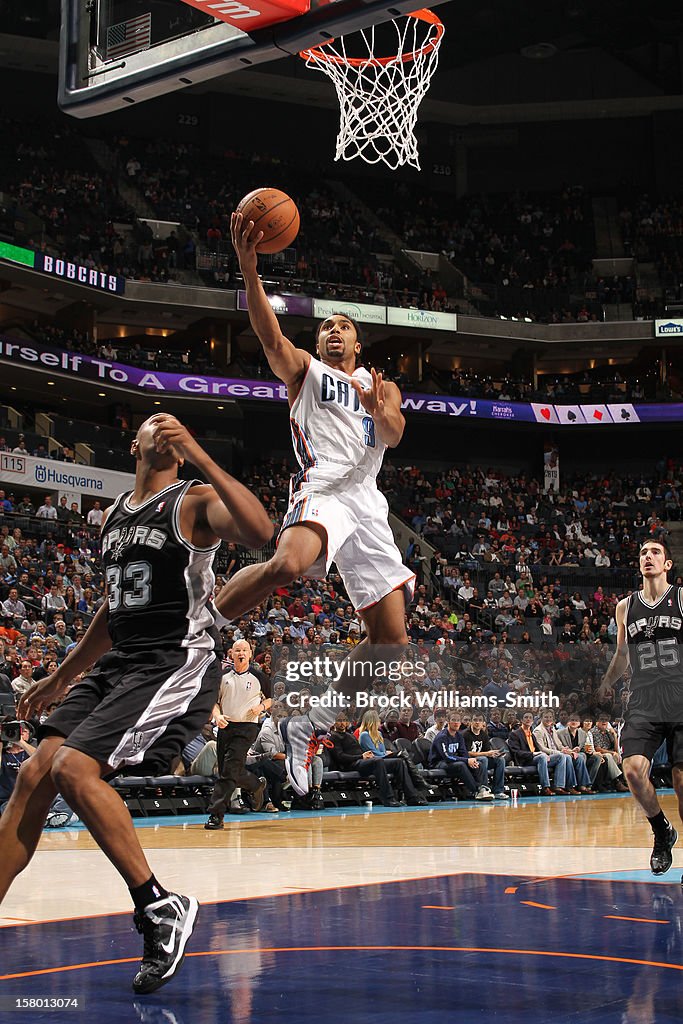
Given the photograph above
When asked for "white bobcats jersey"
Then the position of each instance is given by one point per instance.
(334, 438)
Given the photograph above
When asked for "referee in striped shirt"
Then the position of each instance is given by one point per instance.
(243, 696)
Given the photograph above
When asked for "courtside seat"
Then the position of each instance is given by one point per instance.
(421, 748)
(345, 777)
(149, 795)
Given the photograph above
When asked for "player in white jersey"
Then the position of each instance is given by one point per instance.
(343, 419)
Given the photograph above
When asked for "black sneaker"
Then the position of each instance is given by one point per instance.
(317, 800)
(214, 823)
(661, 859)
(166, 926)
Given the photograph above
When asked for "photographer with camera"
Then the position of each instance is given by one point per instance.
(14, 750)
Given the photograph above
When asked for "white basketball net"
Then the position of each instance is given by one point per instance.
(379, 96)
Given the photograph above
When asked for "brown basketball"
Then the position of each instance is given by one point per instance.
(273, 213)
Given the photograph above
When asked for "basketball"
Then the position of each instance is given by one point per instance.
(273, 213)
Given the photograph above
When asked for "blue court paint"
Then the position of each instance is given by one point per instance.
(281, 959)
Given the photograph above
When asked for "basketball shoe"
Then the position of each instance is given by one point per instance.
(166, 926)
(662, 859)
(301, 744)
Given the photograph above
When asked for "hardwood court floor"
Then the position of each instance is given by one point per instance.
(259, 855)
(543, 910)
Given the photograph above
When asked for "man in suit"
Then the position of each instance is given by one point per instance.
(564, 777)
(525, 753)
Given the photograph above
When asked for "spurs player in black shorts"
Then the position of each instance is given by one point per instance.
(155, 680)
(650, 640)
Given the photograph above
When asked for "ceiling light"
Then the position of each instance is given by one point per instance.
(539, 51)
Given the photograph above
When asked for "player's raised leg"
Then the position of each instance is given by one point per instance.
(298, 548)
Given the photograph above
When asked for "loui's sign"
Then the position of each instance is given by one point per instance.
(668, 328)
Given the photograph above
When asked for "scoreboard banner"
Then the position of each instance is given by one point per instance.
(20, 353)
(26, 471)
(64, 268)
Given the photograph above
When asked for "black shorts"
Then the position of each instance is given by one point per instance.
(640, 736)
(139, 707)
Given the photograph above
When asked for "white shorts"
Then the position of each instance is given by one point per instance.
(359, 539)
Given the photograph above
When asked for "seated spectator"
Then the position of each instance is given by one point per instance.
(572, 739)
(448, 752)
(478, 744)
(496, 727)
(267, 755)
(525, 753)
(13, 607)
(24, 679)
(438, 726)
(51, 603)
(606, 743)
(399, 725)
(8, 563)
(347, 755)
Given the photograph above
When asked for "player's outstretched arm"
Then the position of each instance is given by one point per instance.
(287, 362)
(226, 509)
(383, 402)
(94, 644)
(619, 662)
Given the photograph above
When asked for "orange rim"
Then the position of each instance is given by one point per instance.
(318, 53)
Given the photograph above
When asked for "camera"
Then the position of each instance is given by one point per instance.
(10, 731)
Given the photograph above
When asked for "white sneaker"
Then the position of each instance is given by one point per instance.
(483, 793)
(501, 796)
(301, 745)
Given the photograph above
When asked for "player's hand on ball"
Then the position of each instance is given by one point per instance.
(372, 399)
(171, 436)
(245, 239)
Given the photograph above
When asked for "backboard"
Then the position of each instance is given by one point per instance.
(114, 53)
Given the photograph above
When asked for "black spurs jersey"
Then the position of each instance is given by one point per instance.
(159, 585)
(654, 633)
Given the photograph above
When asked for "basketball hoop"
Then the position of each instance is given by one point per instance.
(379, 96)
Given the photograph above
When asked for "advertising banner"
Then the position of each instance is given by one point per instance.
(433, 321)
(668, 328)
(157, 382)
(360, 311)
(64, 268)
(22, 471)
